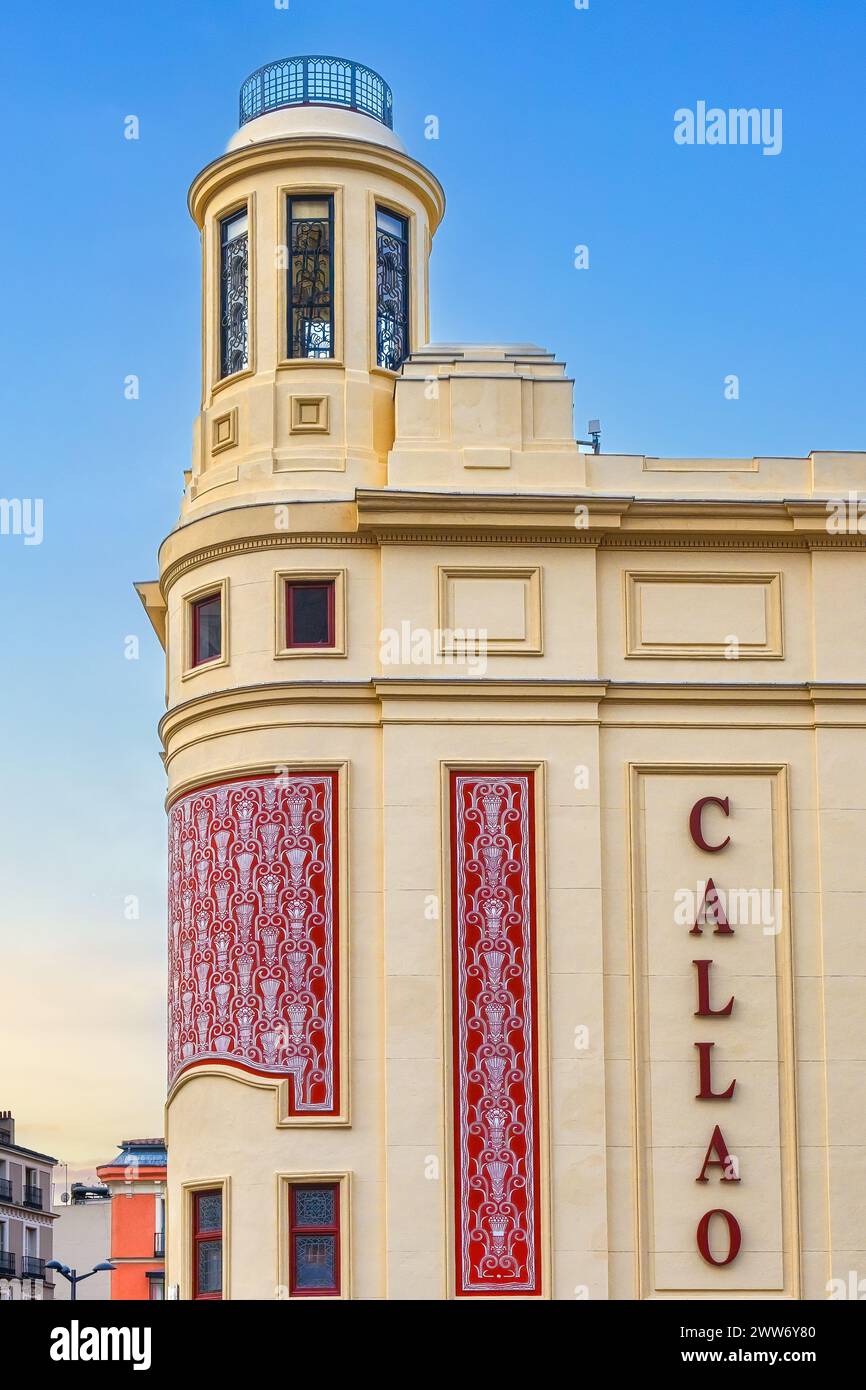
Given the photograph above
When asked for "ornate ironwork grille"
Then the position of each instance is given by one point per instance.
(392, 289)
(311, 277)
(316, 81)
(234, 293)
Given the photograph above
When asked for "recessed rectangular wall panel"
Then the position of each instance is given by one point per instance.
(713, 1061)
(495, 1035)
(498, 607)
(721, 616)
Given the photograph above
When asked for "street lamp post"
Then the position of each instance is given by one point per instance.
(74, 1277)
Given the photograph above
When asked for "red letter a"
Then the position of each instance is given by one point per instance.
(712, 913)
(724, 1161)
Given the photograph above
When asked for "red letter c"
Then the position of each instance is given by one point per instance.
(695, 829)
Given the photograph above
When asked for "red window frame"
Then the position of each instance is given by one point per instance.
(197, 605)
(199, 1236)
(295, 1229)
(291, 586)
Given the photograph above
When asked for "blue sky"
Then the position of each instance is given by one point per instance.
(556, 130)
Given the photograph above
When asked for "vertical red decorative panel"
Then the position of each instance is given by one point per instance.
(254, 933)
(497, 1170)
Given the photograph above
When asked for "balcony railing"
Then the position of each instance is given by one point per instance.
(32, 1268)
(5, 1189)
(158, 1245)
(33, 1196)
(317, 81)
(7, 1264)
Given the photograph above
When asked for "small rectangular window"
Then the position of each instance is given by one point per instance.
(207, 1256)
(310, 613)
(311, 277)
(314, 1235)
(234, 293)
(392, 289)
(206, 629)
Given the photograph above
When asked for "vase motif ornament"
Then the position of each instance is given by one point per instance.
(269, 835)
(246, 1018)
(495, 1035)
(297, 962)
(495, 1014)
(221, 893)
(253, 943)
(491, 857)
(270, 990)
(245, 969)
(201, 931)
(222, 941)
(245, 919)
(270, 937)
(245, 860)
(296, 859)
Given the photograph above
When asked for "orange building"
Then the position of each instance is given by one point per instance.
(136, 1180)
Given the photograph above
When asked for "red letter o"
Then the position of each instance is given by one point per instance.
(735, 1237)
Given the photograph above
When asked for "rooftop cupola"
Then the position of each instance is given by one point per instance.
(316, 232)
(316, 96)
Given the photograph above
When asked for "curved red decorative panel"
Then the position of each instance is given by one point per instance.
(495, 1035)
(253, 933)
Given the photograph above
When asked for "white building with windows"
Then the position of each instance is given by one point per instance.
(26, 1217)
(516, 793)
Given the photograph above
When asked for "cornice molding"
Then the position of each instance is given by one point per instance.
(381, 536)
(27, 1215)
(241, 698)
(376, 692)
(302, 150)
(248, 545)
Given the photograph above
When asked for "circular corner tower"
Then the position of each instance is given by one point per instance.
(316, 229)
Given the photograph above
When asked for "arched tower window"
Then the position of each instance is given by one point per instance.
(392, 289)
(311, 277)
(234, 293)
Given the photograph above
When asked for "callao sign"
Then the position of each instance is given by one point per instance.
(711, 918)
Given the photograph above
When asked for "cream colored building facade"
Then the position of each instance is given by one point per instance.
(617, 662)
